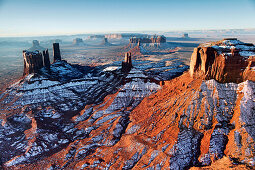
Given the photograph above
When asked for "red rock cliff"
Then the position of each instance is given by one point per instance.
(228, 60)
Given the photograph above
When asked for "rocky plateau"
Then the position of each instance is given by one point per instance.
(68, 116)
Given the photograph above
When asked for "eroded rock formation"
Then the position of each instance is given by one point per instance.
(56, 52)
(33, 62)
(78, 41)
(154, 39)
(46, 58)
(36, 46)
(105, 42)
(228, 60)
(185, 35)
(127, 63)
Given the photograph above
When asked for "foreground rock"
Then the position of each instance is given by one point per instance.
(47, 112)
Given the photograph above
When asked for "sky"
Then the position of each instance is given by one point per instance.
(64, 17)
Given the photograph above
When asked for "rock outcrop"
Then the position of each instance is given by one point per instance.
(228, 60)
(185, 35)
(96, 36)
(46, 58)
(127, 63)
(56, 52)
(105, 42)
(36, 46)
(153, 39)
(78, 41)
(33, 62)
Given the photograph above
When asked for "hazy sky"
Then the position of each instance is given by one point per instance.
(48, 17)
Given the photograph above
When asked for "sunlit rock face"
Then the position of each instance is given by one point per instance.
(228, 60)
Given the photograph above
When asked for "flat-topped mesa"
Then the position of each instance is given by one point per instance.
(127, 63)
(154, 39)
(228, 60)
(33, 62)
(56, 52)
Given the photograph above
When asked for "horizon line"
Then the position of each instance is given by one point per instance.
(121, 32)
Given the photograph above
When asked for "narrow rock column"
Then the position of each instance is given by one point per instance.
(126, 58)
(56, 52)
(127, 63)
(46, 58)
(139, 43)
(129, 60)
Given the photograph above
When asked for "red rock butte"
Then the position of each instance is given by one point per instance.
(35, 60)
(228, 60)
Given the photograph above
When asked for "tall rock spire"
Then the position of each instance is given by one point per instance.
(46, 58)
(56, 52)
(127, 63)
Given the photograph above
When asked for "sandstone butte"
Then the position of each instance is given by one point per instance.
(228, 60)
(203, 119)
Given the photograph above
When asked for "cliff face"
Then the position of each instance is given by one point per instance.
(33, 62)
(228, 60)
